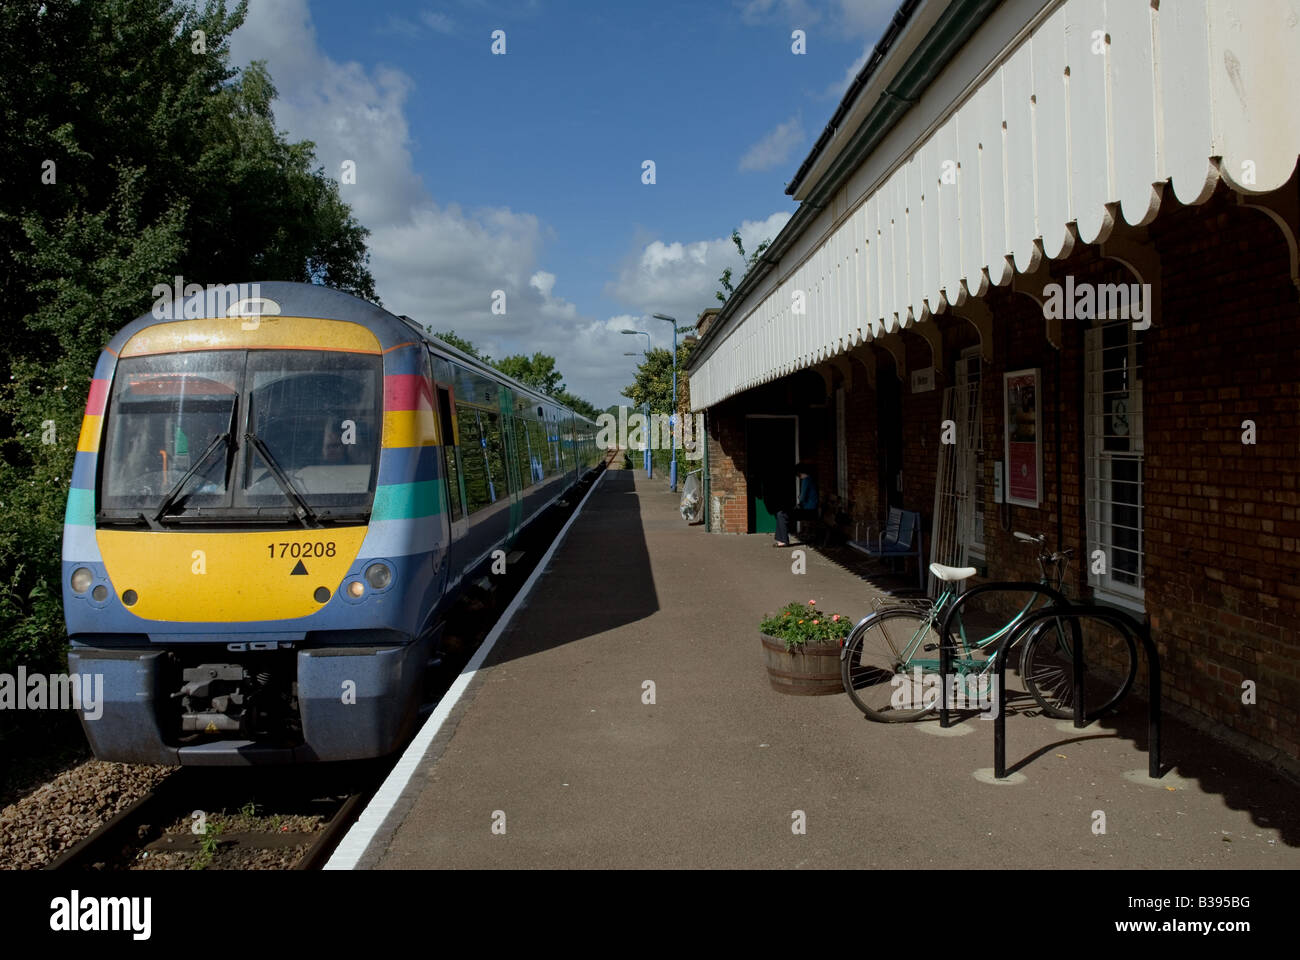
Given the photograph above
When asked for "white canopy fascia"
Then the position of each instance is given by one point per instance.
(1074, 121)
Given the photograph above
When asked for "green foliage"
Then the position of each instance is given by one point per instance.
(654, 380)
(208, 846)
(127, 159)
(725, 279)
(798, 624)
(537, 371)
(451, 338)
(577, 404)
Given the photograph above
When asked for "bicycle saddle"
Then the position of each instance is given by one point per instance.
(949, 574)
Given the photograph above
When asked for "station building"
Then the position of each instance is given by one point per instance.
(1043, 276)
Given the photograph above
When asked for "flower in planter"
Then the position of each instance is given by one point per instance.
(813, 626)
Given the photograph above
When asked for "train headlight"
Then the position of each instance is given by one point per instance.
(355, 589)
(100, 593)
(81, 578)
(378, 576)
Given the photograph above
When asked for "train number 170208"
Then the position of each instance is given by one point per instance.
(325, 548)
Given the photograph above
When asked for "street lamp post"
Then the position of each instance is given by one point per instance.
(672, 419)
(649, 463)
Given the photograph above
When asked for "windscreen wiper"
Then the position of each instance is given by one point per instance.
(303, 510)
(174, 493)
(226, 438)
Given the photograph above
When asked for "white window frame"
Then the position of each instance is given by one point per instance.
(1099, 501)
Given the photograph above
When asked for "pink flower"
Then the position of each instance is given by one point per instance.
(815, 622)
(812, 603)
(835, 619)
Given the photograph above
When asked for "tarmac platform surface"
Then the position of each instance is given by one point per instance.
(551, 759)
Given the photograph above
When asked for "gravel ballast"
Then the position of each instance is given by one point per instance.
(40, 826)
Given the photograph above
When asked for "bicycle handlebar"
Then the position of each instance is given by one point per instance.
(1045, 558)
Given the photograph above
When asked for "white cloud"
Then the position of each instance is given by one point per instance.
(774, 148)
(680, 279)
(799, 13)
(867, 18)
(437, 21)
(437, 263)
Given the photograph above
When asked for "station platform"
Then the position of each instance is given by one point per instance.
(550, 758)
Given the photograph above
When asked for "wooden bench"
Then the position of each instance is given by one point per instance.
(901, 538)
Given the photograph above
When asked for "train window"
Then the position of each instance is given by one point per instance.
(449, 454)
(166, 411)
(523, 454)
(317, 415)
(491, 428)
(473, 460)
(538, 450)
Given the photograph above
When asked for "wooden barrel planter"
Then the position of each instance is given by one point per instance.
(812, 671)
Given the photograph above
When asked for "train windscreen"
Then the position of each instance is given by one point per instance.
(232, 433)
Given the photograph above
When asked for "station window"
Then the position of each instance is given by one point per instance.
(1115, 457)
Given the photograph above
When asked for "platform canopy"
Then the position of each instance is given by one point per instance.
(1045, 120)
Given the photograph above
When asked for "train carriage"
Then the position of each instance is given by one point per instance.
(272, 507)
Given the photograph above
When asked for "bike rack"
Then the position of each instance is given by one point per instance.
(1060, 609)
(947, 648)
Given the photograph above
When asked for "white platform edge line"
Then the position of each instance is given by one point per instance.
(358, 839)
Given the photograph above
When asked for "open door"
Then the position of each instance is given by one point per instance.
(771, 452)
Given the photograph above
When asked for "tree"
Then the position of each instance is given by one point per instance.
(131, 154)
(654, 380)
(452, 338)
(725, 279)
(537, 372)
(578, 405)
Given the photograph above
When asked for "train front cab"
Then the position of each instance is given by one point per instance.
(276, 606)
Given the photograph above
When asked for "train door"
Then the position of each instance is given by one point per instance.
(454, 481)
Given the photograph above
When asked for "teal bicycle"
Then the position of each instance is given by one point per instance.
(890, 661)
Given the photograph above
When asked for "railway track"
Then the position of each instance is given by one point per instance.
(276, 818)
(222, 819)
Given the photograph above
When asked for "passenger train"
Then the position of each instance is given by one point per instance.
(272, 509)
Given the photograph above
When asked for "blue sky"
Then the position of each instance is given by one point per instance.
(523, 172)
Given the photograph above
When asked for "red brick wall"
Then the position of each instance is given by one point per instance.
(1221, 519)
(728, 507)
(1223, 535)
(863, 456)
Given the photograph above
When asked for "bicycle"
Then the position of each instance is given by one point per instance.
(903, 642)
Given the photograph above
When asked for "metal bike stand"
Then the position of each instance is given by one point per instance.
(1074, 613)
(947, 648)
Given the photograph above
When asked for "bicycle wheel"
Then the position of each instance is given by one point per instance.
(878, 665)
(1047, 668)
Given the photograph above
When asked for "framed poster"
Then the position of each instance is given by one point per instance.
(1024, 445)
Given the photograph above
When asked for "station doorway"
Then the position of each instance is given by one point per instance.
(771, 452)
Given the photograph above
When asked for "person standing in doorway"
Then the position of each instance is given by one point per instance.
(805, 507)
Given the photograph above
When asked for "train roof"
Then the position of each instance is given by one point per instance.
(314, 300)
